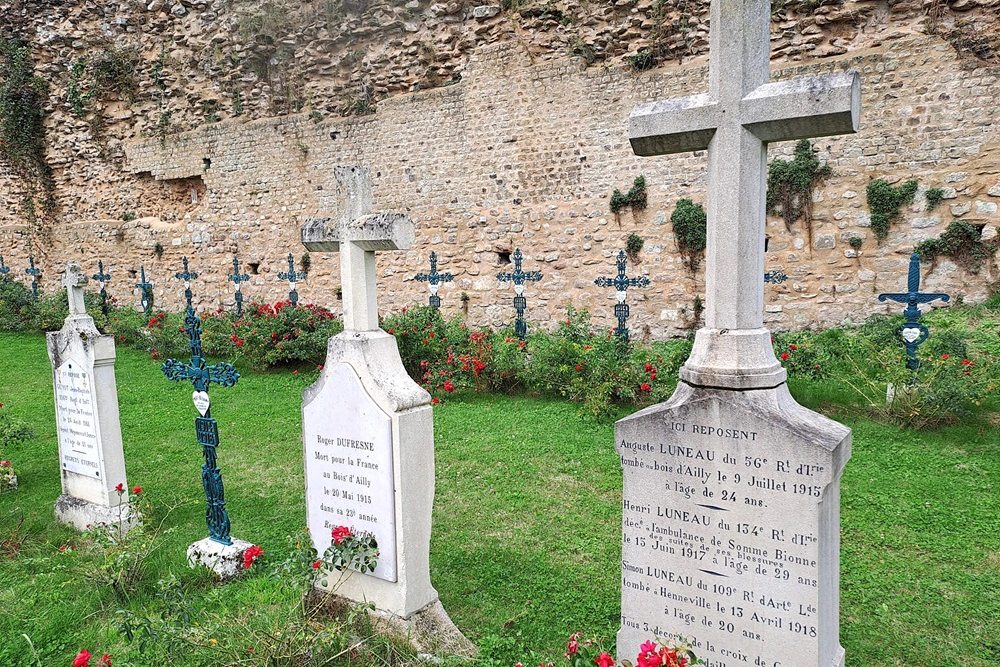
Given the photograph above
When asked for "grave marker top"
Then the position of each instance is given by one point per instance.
(735, 120)
(73, 280)
(357, 234)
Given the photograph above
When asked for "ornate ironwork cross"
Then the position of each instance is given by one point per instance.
(145, 292)
(34, 272)
(4, 269)
(201, 375)
(621, 283)
(434, 280)
(292, 277)
(775, 277)
(238, 279)
(102, 278)
(913, 332)
(519, 277)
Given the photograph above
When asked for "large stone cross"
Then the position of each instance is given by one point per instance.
(357, 234)
(73, 280)
(735, 120)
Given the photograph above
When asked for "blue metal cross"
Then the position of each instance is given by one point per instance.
(34, 272)
(238, 279)
(519, 277)
(4, 269)
(621, 283)
(201, 375)
(146, 292)
(775, 277)
(103, 279)
(292, 277)
(913, 332)
(434, 280)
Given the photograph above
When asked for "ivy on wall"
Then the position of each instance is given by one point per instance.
(690, 224)
(886, 202)
(790, 185)
(636, 198)
(963, 243)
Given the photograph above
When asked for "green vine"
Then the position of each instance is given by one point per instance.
(963, 243)
(790, 185)
(690, 228)
(885, 203)
(23, 97)
(934, 198)
(636, 198)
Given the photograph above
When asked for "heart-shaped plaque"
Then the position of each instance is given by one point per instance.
(201, 401)
(910, 334)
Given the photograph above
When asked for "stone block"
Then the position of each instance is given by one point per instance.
(226, 561)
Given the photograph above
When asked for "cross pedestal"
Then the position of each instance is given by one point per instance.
(366, 423)
(731, 497)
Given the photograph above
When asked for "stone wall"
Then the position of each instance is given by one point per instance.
(524, 152)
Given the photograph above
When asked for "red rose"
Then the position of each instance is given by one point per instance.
(521, 344)
(784, 356)
(645, 386)
(435, 400)
(793, 347)
(648, 367)
(120, 488)
(604, 660)
(573, 647)
(82, 659)
(251, 555)
(136, 490)
(5, 464)
(341, 533)
(579, 368)
(652, 375)
(967, 362)
(449, 386)
(945, 357)
(105, 660)
(317, 564)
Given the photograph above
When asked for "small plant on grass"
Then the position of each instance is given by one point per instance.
(963, 243)
(934, 197)
(886, 202)
(690, 224)
(636, 198)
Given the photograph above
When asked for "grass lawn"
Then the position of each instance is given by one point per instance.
(526, 527)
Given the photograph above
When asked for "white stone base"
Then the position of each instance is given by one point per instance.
(84, 515)
(225, 560)
(429, 630)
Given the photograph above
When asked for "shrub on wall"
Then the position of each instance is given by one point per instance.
(690, 224)
(885, 203)
(962, 242)
(636, 198)
(790, 184)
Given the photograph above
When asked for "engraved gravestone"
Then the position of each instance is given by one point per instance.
(368, 430)
(731, 506)
(87, 426)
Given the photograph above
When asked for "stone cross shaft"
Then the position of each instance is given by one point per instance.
(913, 332)
(734, 121)
(621, 283)
(357, 234)
(74, 280)
(434, 280)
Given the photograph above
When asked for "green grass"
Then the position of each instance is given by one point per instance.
(525, 546)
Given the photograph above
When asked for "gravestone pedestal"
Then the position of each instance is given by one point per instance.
(731, 527)
(89, 432)
(225, 560)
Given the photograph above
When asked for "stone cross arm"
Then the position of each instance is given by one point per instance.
(357, 240)
(816, 106)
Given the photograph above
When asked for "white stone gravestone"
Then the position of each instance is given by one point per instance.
(731, 508)
(368, 431)
(87, 425)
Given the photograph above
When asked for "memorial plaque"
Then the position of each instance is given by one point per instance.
(723, 508)
(348, 464)
(76, 421)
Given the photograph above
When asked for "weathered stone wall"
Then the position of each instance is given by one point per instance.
(524, 152)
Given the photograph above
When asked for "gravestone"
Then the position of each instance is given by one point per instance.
(731, 507)
(368, 431)
(91, 460)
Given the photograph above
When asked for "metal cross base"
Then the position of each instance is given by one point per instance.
(201, 375)
(434, 280)
(292, 277)
(913, 333)
(238, 279)
(4, 269)
(146, 292)
(519, 277)
(102, 277)
(621, 283)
